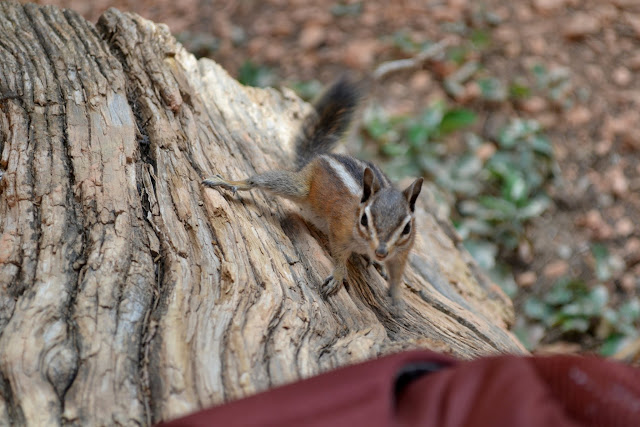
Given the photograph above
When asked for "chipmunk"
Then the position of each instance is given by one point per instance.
(350, 200)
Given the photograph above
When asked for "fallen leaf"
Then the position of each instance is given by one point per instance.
(629, 283)
(534, 105)
(486, 150)
(579, 115)
(360, 53)
(632, 251)
(624, 227)
(556, 269)
(580, 25)
(420, 80)
(546, 6)
(634, 21)
(622, 76)
(593, 222)
(634, 62)
(526, 279)
(311, 36)
(617, 181)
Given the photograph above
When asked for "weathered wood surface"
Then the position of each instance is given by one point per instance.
(129, 293)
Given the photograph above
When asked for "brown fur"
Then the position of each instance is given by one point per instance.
(332, 205)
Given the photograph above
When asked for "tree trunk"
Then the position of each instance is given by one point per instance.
(132, 294)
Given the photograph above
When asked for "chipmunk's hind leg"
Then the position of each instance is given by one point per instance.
(283, 183)
(233, 186)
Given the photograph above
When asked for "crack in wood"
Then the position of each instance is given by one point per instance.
(175, 297)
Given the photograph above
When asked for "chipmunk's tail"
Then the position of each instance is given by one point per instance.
(323, 128)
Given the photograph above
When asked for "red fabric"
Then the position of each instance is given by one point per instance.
(525, 392)
(497, 391)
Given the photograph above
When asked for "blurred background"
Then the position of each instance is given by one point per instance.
(524, 116)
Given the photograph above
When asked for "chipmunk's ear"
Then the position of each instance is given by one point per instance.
(411, 193)
(370, 185)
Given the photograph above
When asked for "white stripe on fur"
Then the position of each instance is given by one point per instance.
(346, 178)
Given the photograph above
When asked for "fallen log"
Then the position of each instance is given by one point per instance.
(132, 294)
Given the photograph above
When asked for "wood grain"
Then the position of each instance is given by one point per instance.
(130, 294)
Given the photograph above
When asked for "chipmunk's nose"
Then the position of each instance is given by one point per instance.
(381, 251)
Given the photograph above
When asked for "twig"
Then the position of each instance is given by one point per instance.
(453, 83)
(390, 67)
(386, 68)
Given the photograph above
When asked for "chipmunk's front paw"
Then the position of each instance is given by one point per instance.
(330, 286)
(381, 270)
(379, 267)
(398, 305)
(218, 181)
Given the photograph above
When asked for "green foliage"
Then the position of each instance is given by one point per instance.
(346, 9)
(459, 54)
(492, 89)
(405, 43)
(519, 91)
(495, 188)
(251, 74)
(480, 38)
(606, 265)
(493, 198)
(455, 119)
(511, 187)
(410, 142)
(556, 83)
(572, 307)
(307, 90)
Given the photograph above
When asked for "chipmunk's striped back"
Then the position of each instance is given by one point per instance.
(351, 170)
(351, 200)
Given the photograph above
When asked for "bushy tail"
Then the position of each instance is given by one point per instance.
(323, 128)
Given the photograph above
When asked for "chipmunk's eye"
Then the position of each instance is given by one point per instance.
(407, 228)
(364, 220)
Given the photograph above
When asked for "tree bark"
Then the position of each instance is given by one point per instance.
(130, 294)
